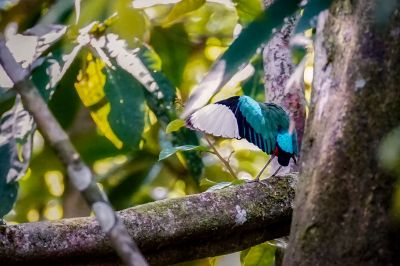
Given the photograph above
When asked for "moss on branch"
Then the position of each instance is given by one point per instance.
(167, 231)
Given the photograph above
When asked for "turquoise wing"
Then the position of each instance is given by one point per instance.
(242, 117)
(260, 123)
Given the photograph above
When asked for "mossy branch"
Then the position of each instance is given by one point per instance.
(167, 231)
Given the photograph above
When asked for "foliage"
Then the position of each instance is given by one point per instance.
(117, 77)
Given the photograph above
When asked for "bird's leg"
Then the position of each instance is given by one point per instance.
(225, 162)
(265, 166)
(277, 170)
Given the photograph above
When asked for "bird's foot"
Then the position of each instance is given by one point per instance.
(256, 180)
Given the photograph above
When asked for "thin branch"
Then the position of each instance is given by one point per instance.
(167, 231)
(225, 162)
(79, 173)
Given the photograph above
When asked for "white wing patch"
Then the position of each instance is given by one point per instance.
(215, 119)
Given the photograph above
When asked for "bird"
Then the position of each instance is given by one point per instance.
(266, 125)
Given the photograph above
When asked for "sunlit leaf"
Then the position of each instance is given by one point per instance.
(310, 13)
(175, 125)
(144, 65)
(16, 129)
(131, 24)
(126, 99)
(171, 151)
(389, 151)
(181, 9)
(205, 182)
(240, 52)
(77, 4)
(219, 186)
(248, 10)
(27, 47)
(55, 65)
(90, 88)
(260, 255)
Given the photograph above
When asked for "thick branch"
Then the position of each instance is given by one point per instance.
(168, 231)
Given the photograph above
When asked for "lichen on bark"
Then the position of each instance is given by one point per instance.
(167, 231)
(342, 208)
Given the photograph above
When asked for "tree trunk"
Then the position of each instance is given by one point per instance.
(342, 206)
(278, 68)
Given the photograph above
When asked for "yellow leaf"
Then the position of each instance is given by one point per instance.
(174, 125)
(90, 87)
(181, 9)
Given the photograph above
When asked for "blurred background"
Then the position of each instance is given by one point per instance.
(186, 39)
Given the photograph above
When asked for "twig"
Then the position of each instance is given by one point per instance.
(225, 162)
(79, 173)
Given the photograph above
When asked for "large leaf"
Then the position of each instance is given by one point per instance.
(90, 88)
(173, 46)
(126, 98)
(248, 10)
(240, 52)
(172, 150)
(128, 16)
(144, 65)
(260, 255)
(175, 125)
(16, 129)
(27, 47)
(310, 13)
(181, 9)
(54, 66)
(8, 191)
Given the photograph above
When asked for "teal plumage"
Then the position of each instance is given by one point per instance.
(264, 124)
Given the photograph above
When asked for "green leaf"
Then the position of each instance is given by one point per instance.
(8, 196)
(55, 65)
(181, 9)
(389, 151)
(248, 10)
(173, 46)
(260, 255)
(240, 52)
(205, 182)
(219, 186)
(125, 95)
(165, 153)
(16, 129)
(311, 11)
(127, 17)
(254, 86)
(175, 125)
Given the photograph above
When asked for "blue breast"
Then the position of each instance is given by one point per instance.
(285, 142)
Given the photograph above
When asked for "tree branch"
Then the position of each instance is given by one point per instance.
(167, 231)
(79, 173)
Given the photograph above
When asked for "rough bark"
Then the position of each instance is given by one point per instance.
(278, 67)
(342, 207)
(168, 231)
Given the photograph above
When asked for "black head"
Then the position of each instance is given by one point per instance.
(284, 157)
